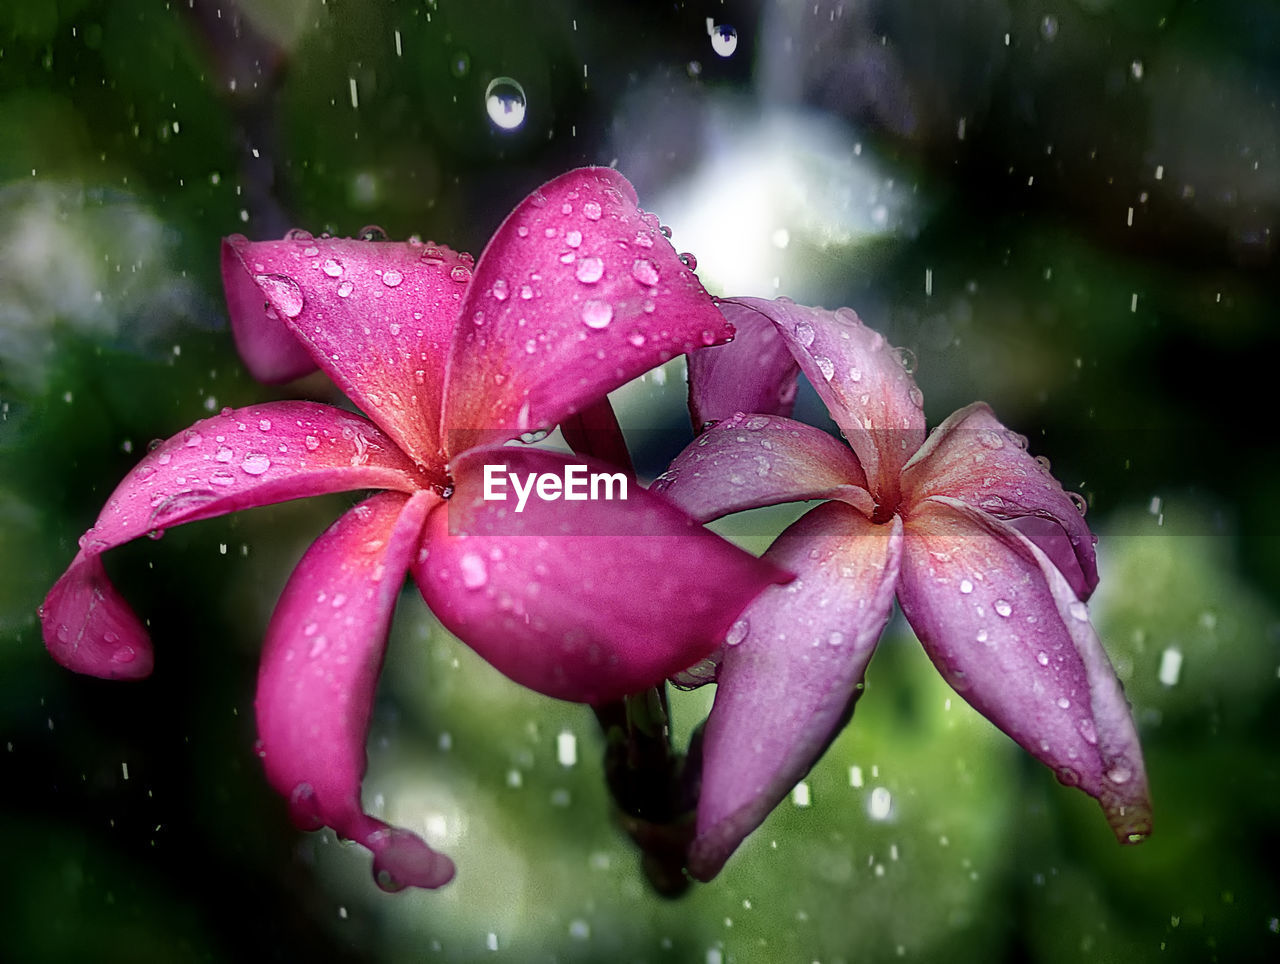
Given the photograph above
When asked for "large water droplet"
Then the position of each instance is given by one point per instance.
(591, 211)
(645, 272)
(332, 267)
(504, 100)
(589, 270)
(597, 314)
(460, 273)
(392, 278)
(826, 366)
(255, 463)
(474, 573)
(804, 335)
(737, 632)
(284, 293)
(1003, 608)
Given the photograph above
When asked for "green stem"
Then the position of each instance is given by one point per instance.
(650, 786)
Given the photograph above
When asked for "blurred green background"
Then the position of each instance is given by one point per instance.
(1069, 209)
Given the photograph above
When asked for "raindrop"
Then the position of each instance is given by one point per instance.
(345, 289)
(192, 438)
(573, 238)
(966, 586)
(689, 261)
(224, 454)
(1003, 608)
(372, 232)
(804, 335)
(392, 278)
(299, 234)
(906, 358)
(460, 273)
(590, 270)
(645, 272)
(1119, 773)
(1170, 666)
(737, 632)
(264, 425)
(826, 366)
(855, 374)
(1064, 703)
(1079, 502)
(474, 573)
(724, 39)
(284, 293)
(312, 443)
(500, 290)
(255, 463)
(597, 314)
(1088, 731)
(591, 211)
(989, 439)
(835, 637)
(636, 339)
(505, 101)
(1042, 658)
(332, 268)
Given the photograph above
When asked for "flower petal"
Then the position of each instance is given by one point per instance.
(866, 387)
(747, 461)
(754, 373)
(577, 293)
(1005, 628)
(318, 676)
(376, 316)
(974, 458)
(270, 351)
(243, 458)
(581, 600)
(786, 686)
(595, 431)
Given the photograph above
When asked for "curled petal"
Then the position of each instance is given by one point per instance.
(268, 348)
(748, 461)
(577, 293)
(318, 676)
(377, 316)
(595, 431)
(575, 599)
(973, 458)
(755, 372)
(787, 683)
(1005, 628)
(247, 457)
(865, 384)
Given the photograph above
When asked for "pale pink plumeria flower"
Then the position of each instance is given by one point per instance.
(989, 558)
(577, 292)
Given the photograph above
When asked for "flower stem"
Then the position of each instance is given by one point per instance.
(652, 785)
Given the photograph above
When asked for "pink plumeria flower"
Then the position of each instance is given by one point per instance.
(577, 292)
(989, 558)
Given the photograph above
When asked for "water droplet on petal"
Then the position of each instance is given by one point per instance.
(392, 278)
(255, 463)
(1088, 731)
(906, 358)
(597, 314)
(311, 442)
(1063, 703)
(804, 335)
(590, 270)
(284, 293)
(645, 272)
(966, 586)
(460, 273)
(332, 268)
(1042, 658)
(504, 100)
(1002, 607)
(474, 573)
(591, 211)
(737, 632)
(1119, 773)
(345, 289)
(826, 366)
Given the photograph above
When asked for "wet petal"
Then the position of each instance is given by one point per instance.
(1005, 628)
(747, 461)
(973, 458)
(270, 351)
(247, 457)
(376, 316)
(797, 661)
(581, 600)
(863, 381)
(318, 676)
(755, 372)
(577, 293)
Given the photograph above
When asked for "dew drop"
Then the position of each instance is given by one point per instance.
(460, 273)
(1003, 608)
(826, 366)
(1119, 774)
(573, 238)
(311, 442)
(645, 272)
(500, 290)
(264, 425)
(255, 463)
(345, 289)
(737, 632)
(1079, 611)
(332, 268)
(1042, 658)
(284, 293)
(1088, 731)
(392, 278)
(689, 261)
(966, 586)
(504, 100)
(906, 358)
(597, 314)
(591, 211)
(474, 573)
(804, 335)
(590, 270)
(1063, 703)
